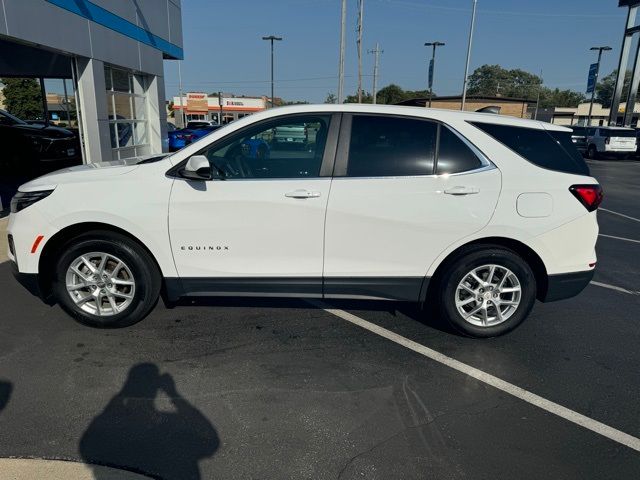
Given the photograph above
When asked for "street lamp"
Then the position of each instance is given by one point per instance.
(432, 66)
(595, 80)
(272, 38)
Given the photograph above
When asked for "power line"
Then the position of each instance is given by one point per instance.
(427, 6)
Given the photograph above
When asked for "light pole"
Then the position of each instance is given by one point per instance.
(272, 38)
(343, 21)
(432, 66)
(466, 68)
(595, 80)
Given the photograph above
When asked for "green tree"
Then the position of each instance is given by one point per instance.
(604, 88)
(366, 98)
(560, 98)
(493, 80)
(331, 98)
(23, 97)
(391, 94)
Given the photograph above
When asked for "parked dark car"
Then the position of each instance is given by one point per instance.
(34, 149)
(579, 137)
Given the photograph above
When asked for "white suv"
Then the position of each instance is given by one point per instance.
(614, 141)
(477, 213)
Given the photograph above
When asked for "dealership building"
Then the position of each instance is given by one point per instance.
(111, 52)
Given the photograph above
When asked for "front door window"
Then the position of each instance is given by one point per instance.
(290, 147)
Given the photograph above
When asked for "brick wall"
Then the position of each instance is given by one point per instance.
(514, 109)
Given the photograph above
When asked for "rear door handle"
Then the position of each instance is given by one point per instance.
(461, 190)
(302, 194)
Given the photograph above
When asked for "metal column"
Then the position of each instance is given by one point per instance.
(622, 65)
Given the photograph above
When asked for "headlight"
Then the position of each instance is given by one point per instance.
(22, 200)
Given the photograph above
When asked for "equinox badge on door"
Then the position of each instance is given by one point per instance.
(204, 247)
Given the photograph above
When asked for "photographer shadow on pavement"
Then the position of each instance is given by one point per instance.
(5, 393)
(139, 432)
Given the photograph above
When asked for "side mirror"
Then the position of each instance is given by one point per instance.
(197, 168)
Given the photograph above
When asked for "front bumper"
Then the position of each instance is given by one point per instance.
(566, 285)
(27, 280)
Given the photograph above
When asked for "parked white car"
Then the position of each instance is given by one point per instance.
(611, 141)
(480, 214)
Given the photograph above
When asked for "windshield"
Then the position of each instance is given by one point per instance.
(7, 119)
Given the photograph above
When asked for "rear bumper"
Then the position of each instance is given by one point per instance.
(566, 285)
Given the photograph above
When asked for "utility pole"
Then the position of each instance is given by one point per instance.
(535, 115)
(272, 38)
(466, 68)
(180, 93)
(220, 104)
(343, 26)
(593, 92)
(377, 53)
(359, 41)
(432, 66)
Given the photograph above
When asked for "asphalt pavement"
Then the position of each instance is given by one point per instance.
(283, 389)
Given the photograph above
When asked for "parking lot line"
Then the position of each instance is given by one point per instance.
(518, 392)
(613, 287)
(620, 214)
(619, 238)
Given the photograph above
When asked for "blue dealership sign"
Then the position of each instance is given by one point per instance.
(591, 81)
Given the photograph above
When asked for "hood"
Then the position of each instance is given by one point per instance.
(41, 129)
(88, 173)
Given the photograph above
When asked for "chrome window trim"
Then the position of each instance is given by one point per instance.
(484, 168)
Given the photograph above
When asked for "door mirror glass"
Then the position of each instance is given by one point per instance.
(197, 168)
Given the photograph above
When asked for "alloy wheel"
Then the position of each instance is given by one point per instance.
(100, 284)
(488, 295)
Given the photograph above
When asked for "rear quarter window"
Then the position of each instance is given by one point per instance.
(552, 150)
(618, 133)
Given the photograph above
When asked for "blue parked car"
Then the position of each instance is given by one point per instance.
(179, 138)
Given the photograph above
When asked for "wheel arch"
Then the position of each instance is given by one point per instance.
(524, 251)
(46, 261)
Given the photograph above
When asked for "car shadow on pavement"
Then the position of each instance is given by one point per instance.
(427, 316)
(148, 427)
(5, 393)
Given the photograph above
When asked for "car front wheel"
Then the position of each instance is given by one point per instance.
(487, 292)
(104, 279)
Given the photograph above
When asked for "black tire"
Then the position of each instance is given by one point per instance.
(592, 152)
(475, 257)
(142, 266)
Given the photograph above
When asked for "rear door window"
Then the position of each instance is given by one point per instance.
(383, 146)
(552, 150)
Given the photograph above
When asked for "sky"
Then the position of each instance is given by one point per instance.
(224, 50)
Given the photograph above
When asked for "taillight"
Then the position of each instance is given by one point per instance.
(589, 195)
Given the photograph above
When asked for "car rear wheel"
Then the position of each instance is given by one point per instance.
(104, 279)
(487, 292)
(592, 152)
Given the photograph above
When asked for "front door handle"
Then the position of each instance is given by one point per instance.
(301, 193)
(461, 190)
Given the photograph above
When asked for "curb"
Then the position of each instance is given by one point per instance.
(29, 469)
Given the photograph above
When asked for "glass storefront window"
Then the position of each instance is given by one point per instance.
(127, 110)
